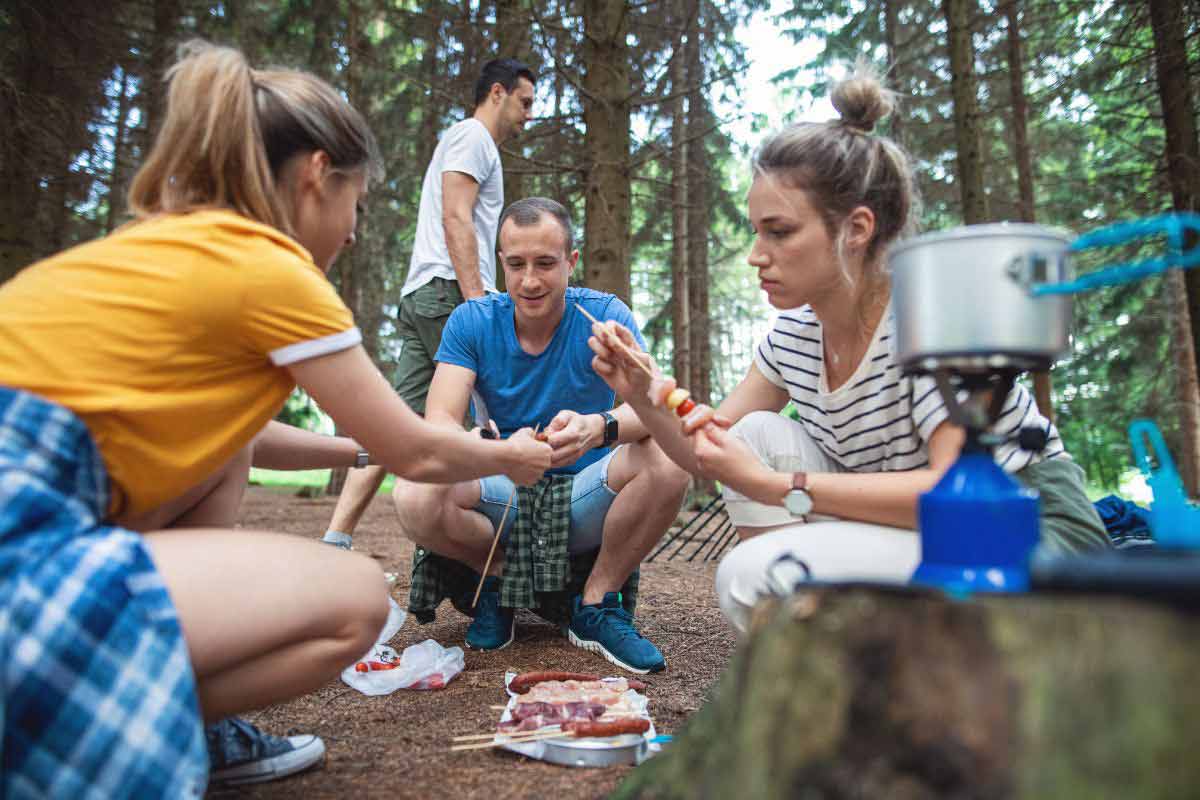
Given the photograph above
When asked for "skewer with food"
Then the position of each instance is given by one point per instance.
(665, 393)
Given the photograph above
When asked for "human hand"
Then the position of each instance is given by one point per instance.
(572, 434)
(723, 456)
(619, 366)
(531, 458)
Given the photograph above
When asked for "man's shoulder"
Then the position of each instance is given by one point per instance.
(469, 132)
(479, 309)
(601, 305)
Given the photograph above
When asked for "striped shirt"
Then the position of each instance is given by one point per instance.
(879, 420)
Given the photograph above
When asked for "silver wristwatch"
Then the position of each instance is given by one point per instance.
(798, 501)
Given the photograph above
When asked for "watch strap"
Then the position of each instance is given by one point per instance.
(799, 480)
(610, 429)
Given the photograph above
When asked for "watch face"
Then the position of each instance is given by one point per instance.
(798, 502)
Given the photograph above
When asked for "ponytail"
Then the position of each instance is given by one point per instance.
(229, 131)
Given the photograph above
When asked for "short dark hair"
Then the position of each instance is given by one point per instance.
(504, 71)
(528, 211)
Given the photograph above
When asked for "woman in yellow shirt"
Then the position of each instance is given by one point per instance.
(138, 378)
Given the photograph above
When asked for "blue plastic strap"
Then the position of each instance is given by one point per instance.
(1173, 226)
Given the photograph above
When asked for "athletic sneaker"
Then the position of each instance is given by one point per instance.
(494, 626)
(240, 753)
(608, 629)
(338, 539)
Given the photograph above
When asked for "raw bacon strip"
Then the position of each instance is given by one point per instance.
(525, 681)
(614, 727)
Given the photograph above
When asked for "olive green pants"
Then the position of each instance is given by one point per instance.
(423, 314)
(1070, 523)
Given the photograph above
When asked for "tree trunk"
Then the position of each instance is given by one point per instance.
(852, 692)
(685, 13)
(512, 41)
(967, 126)
(891, 30)
(1183, 173)
(606, 117)
(1042, 389)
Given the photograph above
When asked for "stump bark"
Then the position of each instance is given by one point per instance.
(874, 693)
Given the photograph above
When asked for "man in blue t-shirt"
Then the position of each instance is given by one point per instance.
(526, 356)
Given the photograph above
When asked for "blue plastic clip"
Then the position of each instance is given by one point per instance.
(1173, 226)
(1173, 520)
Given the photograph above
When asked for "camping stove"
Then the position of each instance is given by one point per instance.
(966, 317)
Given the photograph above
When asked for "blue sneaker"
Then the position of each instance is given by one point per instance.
(608, 629)
(493, 627)
(240, 753)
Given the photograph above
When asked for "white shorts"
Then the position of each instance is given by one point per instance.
(818, 547)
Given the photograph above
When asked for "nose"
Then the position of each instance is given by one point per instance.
(758, 257)
(351, 239)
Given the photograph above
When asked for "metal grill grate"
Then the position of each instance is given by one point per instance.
(705, 536)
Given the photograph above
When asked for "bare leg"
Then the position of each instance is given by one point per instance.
(650, 489)
(442, 519)
(267, 617)
(360, 488)
(215, 502)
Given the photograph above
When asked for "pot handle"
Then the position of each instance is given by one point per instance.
(1174, 227)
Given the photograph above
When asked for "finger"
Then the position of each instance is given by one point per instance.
(559, 422)
(696, 419)
(721, 421)
(495, 428)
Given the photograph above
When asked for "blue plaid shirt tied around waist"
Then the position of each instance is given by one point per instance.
(97, 695)
(539, 574)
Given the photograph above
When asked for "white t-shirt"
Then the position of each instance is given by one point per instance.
(468, 148)
(879, 420)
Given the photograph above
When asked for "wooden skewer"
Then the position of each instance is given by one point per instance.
(620, 344)
(496, 539)
(537, 738)
(544, 729)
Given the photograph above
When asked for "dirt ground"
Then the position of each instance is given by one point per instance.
(397, 746)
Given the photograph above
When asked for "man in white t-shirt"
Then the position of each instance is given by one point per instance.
(454, 253)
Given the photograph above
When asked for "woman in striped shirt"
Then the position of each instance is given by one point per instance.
(835, 493)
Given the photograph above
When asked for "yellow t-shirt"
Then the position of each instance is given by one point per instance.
(169, 339)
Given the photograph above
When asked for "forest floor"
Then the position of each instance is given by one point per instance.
(397, 745)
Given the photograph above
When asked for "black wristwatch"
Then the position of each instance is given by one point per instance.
(610, 429)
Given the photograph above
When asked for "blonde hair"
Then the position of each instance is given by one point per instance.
(229, 130)
(841, 165)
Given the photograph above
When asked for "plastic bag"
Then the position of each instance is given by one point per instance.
(382, 670)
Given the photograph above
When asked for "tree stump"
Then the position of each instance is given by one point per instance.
(875, 693)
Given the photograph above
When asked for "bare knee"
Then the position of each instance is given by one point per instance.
(670, 481)
(420, 507)
(364, 605)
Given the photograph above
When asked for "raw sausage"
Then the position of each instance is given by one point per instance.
(614, 727)
(526, 681)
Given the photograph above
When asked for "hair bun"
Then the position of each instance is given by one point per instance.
(861, 99)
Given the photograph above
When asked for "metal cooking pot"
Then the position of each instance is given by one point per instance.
(963, 301)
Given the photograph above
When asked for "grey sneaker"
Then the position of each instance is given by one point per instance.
(338, 539)
(240, 753)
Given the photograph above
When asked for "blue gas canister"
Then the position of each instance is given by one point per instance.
(978, 529)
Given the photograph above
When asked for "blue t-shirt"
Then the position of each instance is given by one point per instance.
(521, 390)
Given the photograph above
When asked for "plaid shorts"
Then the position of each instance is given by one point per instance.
(97, 695)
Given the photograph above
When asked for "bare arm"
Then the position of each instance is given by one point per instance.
(352, 391)
(281, 446)
(886, 498)
(449, 395)
(459, 193)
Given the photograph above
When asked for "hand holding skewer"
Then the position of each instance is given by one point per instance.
(661, 390)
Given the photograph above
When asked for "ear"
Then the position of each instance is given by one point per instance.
(497, 92)
(572, 260)
(315, 167)
(859, 227)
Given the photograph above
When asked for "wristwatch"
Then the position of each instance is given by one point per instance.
(610, 429)
(362, 459)
(798, 501)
